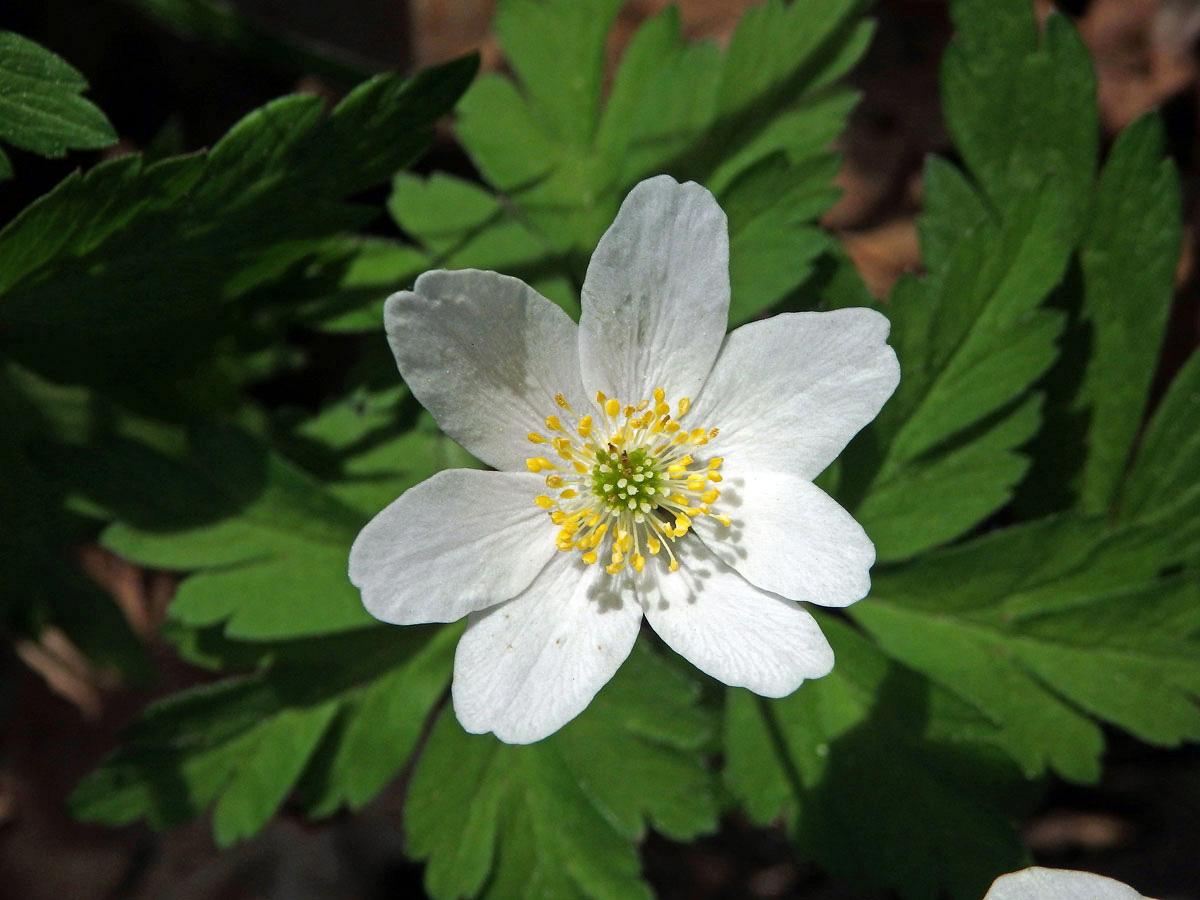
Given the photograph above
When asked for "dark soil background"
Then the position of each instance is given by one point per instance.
(175, 92)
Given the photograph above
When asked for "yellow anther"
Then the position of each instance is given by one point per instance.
(634, 490)
(722, 518)
(715, 462)
(713, 432)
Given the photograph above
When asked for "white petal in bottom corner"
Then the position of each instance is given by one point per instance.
(527, 667)
(728, 628)
(1059, 884)
(457, 542)
(788, 536)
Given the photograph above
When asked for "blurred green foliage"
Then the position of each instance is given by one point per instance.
(1037, 560)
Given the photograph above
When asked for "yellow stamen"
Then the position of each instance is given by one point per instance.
(629, 490)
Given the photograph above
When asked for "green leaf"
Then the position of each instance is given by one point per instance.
(464, 226)
(1021, 106)
(268, 542)
(111, 274)
(242, 745)
(773, 241)
(378, 730)
(40, 106)
(1164, 482)
(855, 758)
(971, 342)
(754, 124)
(372, 446)
(559, 818)
(1118, 301)
(1044, 626)
(564, 86)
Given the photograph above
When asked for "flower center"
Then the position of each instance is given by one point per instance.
(626, 479)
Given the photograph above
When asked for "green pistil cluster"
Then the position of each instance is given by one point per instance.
(626, 480)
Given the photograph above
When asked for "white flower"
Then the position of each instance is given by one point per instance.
(648, 464)
(1058, 884)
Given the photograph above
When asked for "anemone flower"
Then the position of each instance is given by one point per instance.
(1036, 883)
(646, 464)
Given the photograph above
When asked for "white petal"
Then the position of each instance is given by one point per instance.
(788, 536)
(656, 295)
(726, 627)
(788, 393)
(485, 354)
(457, 542)
(527, 667)
(1058, 884)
